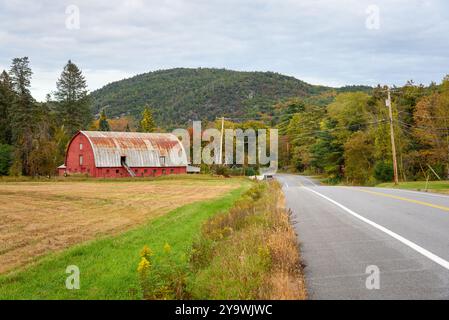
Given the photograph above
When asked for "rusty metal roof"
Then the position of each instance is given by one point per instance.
(140, 149)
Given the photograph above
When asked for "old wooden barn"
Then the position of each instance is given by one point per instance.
(124, 154)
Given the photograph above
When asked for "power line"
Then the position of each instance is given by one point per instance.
(427, 117)
(262, 117)
(338, 128)
(423, 127)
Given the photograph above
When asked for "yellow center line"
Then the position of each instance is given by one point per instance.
(405, 199)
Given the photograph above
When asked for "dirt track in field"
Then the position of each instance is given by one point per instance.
(37, 218)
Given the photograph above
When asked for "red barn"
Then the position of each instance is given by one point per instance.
(124, 154)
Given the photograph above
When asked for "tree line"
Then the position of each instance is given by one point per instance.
(34, 135)
(349, 139)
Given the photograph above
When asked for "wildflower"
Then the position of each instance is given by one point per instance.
(146, 253)
(167, 248)
(144, 266)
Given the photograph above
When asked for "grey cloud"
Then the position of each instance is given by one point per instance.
(323, 41)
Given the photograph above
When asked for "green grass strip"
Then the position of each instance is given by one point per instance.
(418, 185)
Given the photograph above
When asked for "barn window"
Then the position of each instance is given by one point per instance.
(107, 170)
(163, 171)
(81, 146)
(116, 171)
(81, 160)
(145, 171)
(172, 170)
(154, 171)
(162, 160)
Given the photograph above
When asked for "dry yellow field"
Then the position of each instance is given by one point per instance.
(39, 217)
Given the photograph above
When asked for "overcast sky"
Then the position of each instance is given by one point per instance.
(329, 42)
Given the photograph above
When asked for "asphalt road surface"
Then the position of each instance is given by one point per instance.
(370, 243)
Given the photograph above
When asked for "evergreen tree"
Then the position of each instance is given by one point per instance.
(74, 105)
(103, 123)
(22, 114)
(147, 123)
(287, 110)
(6, 105)
(6, 158)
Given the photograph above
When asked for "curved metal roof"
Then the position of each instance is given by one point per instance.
(140, 149)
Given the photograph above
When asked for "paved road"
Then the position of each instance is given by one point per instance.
(345, 230)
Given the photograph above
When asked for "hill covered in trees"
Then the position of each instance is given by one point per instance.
(179, 95)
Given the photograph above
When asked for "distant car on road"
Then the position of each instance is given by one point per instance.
(263, 177)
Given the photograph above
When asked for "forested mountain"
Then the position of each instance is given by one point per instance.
(179, 95)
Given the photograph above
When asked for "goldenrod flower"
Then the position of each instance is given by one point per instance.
(144, 265)
(167, 248)
(146, 253)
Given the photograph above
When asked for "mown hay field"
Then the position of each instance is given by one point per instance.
(37, 218)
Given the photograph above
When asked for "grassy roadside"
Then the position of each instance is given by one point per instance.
(250, 252)
(108, 266)
(433, 186)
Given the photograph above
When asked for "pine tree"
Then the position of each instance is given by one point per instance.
(104, 124)
(6, 105)
(74, 109)
(6, 158)
(147, 123)
(22, 113)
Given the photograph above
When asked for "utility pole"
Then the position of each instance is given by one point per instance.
(221, 141)
(393, 145)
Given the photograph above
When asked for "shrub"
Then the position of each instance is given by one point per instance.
(221, 170)
(383, 171)
(250, 171)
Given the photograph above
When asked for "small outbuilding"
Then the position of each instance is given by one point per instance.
(124, 154)
(193, 169)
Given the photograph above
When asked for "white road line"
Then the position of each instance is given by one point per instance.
(414, 246)
(286, 185)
